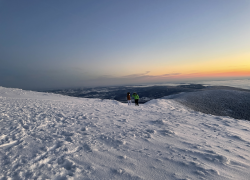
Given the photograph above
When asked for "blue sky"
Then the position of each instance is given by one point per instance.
(57, 44)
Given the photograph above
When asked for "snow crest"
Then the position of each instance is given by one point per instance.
(48, 136)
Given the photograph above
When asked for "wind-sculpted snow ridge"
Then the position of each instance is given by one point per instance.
(222, 102)
(48, 136)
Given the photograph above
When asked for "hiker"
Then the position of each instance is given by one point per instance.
(129, 98)
(136, 97)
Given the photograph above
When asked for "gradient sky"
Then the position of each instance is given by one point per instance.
(81, 43)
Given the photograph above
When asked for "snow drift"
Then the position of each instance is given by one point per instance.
(48, 136)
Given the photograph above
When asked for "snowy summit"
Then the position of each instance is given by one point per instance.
(48, 136)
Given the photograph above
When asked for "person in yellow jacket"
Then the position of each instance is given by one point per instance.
(136, 97)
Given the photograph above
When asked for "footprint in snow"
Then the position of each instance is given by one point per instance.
(84, 128)
(166, 132)
(236, 138)
(111, 141)
(66, 133)
(88, 148)
(125, 175)
(122, 157)
(159, 121)
(151, 131)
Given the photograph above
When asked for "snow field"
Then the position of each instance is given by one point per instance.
(48, 136)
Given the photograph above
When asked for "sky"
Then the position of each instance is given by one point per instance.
(85, 43)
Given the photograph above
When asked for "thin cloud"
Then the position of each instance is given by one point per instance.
(136, 75)
(172, 74)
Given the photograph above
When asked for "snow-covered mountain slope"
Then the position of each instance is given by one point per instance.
(220, 102)
(48, 136)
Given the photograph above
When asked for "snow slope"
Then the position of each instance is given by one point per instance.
(48, 136)
(220, 102)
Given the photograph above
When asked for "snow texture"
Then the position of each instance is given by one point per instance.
(48, 136)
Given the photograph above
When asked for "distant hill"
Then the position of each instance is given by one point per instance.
(120, 93)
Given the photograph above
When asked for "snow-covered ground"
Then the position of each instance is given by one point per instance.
(48, 136)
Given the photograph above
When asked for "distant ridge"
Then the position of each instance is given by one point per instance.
(216, 100)
(219, 101)
(119, 93)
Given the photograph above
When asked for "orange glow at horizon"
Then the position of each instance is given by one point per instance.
(213, 75)
(227, 66)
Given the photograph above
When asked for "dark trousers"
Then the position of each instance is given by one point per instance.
(136, 102)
